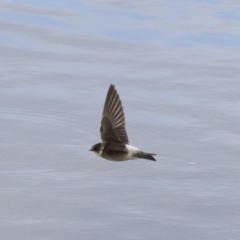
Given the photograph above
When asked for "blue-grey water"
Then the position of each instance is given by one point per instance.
(176, 66)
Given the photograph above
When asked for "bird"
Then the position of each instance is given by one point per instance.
(115, 144)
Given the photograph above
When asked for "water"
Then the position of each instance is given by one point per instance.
(176, 66)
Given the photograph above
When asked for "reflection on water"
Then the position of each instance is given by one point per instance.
(176, 67)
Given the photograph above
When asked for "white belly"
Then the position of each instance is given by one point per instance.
(131, 151)
(129, 155)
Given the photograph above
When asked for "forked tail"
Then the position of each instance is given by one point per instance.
(144, 155)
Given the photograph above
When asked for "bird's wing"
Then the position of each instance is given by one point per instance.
(113, 121)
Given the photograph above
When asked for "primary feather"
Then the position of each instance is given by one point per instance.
(113, 121)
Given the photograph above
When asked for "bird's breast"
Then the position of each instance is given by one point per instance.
(119, 155)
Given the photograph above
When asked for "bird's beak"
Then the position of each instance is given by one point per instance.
(90, 150)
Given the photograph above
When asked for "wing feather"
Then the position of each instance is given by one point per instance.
(113, 121)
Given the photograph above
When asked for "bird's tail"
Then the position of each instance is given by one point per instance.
(144, 155)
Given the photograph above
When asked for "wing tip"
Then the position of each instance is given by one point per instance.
(112, 86)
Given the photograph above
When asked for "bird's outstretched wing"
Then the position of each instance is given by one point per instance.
(113, 121)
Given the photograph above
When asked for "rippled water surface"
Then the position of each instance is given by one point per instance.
(176, 66)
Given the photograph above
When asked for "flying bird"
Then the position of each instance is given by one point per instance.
(115, 144)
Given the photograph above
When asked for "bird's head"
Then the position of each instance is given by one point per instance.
(96, 148)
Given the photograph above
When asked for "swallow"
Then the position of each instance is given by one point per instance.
(115, 144)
